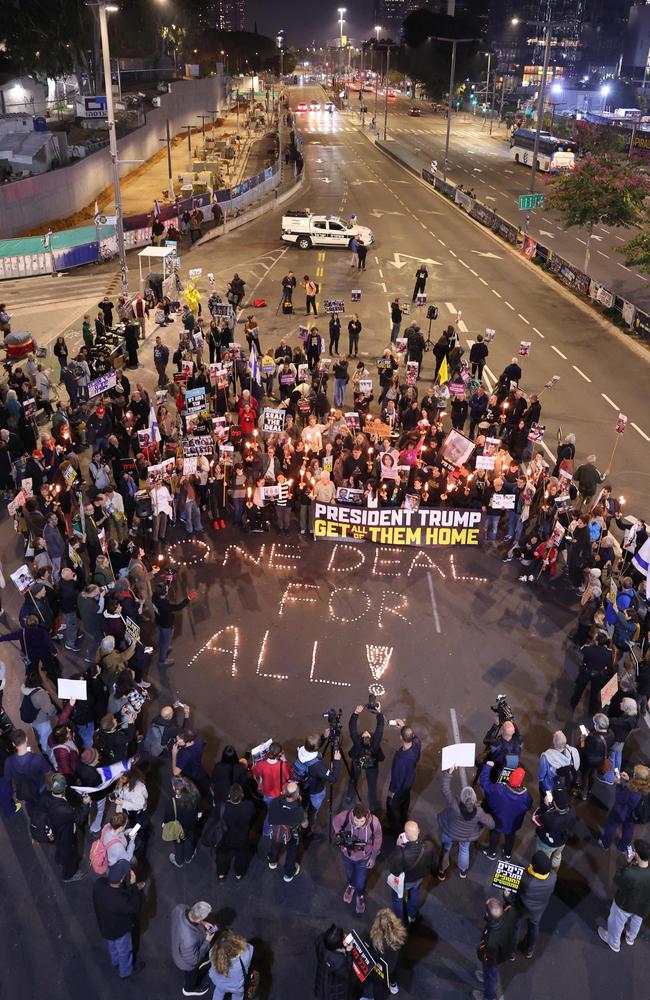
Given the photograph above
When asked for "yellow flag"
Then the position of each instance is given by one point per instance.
(443, 372)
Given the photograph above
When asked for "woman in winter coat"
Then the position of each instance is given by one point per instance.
(629, 794)
(230, 959)
(463, 821)
(184, 805)
(333, 966)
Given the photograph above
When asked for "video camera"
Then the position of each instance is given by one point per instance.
(503, 713)
(334, 723)
(346, 838)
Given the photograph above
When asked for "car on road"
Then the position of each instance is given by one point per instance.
(301, 107)
(314, 106)
(306, 230)
(415, 110)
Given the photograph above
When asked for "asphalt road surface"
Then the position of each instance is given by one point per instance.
(452, 634)
(483, 163)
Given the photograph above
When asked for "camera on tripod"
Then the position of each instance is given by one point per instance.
(334, 723)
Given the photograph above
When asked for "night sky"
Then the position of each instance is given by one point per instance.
(304, 22)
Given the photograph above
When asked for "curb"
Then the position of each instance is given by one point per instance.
(254, 213)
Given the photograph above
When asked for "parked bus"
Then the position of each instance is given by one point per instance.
(553, 154)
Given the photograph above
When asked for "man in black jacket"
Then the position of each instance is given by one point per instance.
(496, 946)
(413, 859)
(161, 360)
(117, 901)
(65, 812)
(595, 669)
(165, 611)
(556, 822)
(421, 276)
(366, 755)
(478, 355)
(286, 819)
(533, 896)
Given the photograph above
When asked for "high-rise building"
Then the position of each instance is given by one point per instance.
(587, 36)
(226, 15)
(390, 15)
(636, 52)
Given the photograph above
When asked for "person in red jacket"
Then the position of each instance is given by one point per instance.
(62, 747)
(272, 775)
(247, 419)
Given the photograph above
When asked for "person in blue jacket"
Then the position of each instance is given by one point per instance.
(507, 802)
(402, 777)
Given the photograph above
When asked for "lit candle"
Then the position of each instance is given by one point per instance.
(621, 499)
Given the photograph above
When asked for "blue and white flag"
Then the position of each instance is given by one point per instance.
(156, 208)
(254, 365)
(153, 426)
(641, 560)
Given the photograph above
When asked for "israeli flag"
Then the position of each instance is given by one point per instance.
(153, 426)
(641, 560)
(254, 365)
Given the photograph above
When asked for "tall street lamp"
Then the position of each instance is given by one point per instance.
(556, 90)
(342, 11)
(103, 9)
(548, 31)
(377, 30)
(454, 43)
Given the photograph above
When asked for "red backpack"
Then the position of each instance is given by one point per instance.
(99, 852)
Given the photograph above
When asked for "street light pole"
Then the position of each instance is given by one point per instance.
(449, 107)
(189, 144)
(112, 140)
(170, 176)
(540, 115)
(487, 83)
(386, 100)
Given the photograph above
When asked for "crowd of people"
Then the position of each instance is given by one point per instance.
(96, 493)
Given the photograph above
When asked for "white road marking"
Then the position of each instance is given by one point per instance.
(603, 254)
(483, 281)
(581, 241)
(384, 287)
(610, 401)
(625, 268)
(509, 306)
(381, 273)
(642, 433)
(494, 292)
(453, 254)
(472, 271)
(523, 318)
(585, 377)
(558, 351)
(462, 326)
(548, 451)
(434, 605)
(450, 307)
(538, 333)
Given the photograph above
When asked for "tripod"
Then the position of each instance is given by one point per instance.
(334, 744)
(283, 298)
(429, 342)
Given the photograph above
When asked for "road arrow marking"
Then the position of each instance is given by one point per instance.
(399, 264)
(543, 232)
(493, 256)
(354, 183)
(325, 180)
(594, 237)
(376, 214)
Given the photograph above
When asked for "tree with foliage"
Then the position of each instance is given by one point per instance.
(427, 60)
(600, 191)
(637, 252)
(601, 140)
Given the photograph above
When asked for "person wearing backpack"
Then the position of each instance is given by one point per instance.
(65, 812)
(26, 770)
(287, 818)
(117, 899)
(312, 774)
(37, 709)
(237, 814)
(558, 765)
(358, 836)
(311, 291)
(272, 775)
(114, 844)
(412, 858)
(631, 802)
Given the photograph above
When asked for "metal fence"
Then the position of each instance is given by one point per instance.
(33, 255)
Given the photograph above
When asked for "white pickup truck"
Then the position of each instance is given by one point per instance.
(307, 230)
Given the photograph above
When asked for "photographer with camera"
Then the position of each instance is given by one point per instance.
(366, 753)
(309, 770)
(402, 777)
(358, 837)
(503, 742)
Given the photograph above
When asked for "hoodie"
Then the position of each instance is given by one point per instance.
(507, 805)
(551, 760)
(368, 836)
(458, 822)
(319, 773)
(41, 700)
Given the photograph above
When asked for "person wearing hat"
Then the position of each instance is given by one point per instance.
(507, 801)
(117, 900)
(555, 820)
(65, 816)
(533, 896)
(192, 934)
(36, 605)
